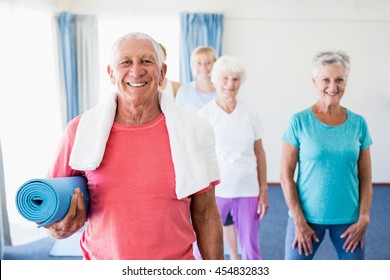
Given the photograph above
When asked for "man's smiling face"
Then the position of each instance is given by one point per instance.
(135, 71)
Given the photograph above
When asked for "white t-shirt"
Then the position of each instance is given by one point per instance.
(235, 135)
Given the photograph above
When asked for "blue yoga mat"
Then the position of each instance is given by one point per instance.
(47, 200)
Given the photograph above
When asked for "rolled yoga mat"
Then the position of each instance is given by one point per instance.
(46, 201)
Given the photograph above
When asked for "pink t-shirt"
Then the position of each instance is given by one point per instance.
(134, 211)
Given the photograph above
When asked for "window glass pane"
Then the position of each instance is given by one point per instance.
(30, 117)
(29, 105)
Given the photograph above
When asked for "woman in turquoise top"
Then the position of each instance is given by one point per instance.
(333, 186)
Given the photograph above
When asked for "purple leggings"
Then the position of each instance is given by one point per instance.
(246, 221)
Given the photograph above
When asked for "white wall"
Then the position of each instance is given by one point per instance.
(277, 39)
(238, 9)
(278, 54)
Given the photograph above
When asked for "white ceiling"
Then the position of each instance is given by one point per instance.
(240, 9)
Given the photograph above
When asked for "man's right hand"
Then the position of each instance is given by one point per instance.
(74, 219)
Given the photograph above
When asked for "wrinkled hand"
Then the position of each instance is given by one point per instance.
(355, 235)
(304, 237)
(74, 219)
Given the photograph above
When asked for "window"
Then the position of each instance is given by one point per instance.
(30, 112)
(29, 105)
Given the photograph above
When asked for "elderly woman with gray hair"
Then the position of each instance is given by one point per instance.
(243, 192)
(333, 187)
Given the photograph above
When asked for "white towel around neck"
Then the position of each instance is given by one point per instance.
(191, 139)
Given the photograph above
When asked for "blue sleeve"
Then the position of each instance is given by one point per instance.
(291, 132)
(365, 140)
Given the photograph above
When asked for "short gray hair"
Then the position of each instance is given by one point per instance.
(330, 58)
(229, 63)
(138, 36)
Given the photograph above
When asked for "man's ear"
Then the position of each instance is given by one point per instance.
(163, 73)
(111, 74)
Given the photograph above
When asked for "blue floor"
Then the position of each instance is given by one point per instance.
(272, 233)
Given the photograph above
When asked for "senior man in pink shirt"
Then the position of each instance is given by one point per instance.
(152, 186)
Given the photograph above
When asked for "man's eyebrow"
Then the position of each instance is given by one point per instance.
(144, 56)
(124, 57)
(149, 56)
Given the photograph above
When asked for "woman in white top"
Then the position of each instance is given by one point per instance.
(243, 191)
(168, 87)
(193, 96)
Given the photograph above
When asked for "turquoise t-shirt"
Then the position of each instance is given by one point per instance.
(327, 179)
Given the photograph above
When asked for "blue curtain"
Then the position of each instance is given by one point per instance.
(68, 54)
(198, 29)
